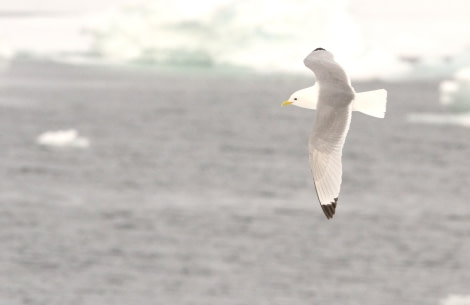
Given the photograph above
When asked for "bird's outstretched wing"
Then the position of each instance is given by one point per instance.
(332, 120)
(325, 151)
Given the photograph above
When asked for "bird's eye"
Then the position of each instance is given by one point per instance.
(295, 98)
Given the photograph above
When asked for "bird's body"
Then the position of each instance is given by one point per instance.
(371, 102)
(334, 99)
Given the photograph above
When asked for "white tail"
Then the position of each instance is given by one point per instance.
(372, 103)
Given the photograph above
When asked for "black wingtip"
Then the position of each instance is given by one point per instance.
(329, 209)
(319, 49)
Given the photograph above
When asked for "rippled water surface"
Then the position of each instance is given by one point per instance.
(195, 189)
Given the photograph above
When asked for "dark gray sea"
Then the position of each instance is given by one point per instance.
(196, 190)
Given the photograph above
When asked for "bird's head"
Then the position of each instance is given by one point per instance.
(322, 53)
(305, 98)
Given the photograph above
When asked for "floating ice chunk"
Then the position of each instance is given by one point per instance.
(455, 94)
(63, 138)
(455, 299)
(458, 119)
(447, 89)
(463, 74)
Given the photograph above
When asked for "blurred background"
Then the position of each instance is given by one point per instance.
(145, 158)
(371, 38)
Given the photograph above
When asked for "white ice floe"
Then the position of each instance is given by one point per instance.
(63, 138)
(455, 299)
(459, 119)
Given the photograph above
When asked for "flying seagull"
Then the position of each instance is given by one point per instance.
(334, 99)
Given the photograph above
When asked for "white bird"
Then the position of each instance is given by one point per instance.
(334, 98)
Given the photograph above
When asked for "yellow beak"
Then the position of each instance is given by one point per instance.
(286, 103)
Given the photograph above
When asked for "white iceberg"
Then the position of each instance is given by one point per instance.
(175, 34)
(63, 138)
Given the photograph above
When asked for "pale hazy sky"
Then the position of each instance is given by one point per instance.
(58, 5)
(440, 25)
(371, 9)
